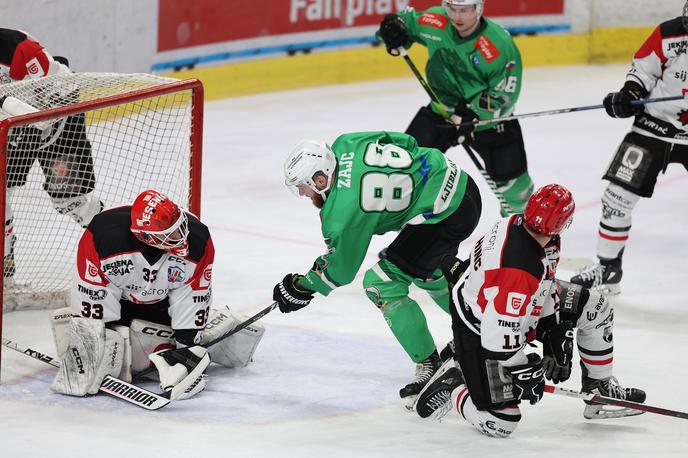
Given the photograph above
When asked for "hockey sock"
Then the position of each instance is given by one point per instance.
(438, 289)
(594, 336)
(615, 225)
(494, 423)
(516, 192)
(407, 322)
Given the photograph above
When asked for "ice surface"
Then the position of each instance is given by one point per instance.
(325, 379)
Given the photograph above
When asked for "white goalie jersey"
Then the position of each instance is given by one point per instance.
(113, 266)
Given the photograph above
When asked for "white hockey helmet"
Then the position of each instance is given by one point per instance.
(479, 5)
(305, 160)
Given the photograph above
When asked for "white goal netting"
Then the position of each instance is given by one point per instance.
(60, 172)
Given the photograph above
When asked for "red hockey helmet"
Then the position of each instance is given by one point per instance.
(159, 222)
(550, 209)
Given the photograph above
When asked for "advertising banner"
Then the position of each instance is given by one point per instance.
(202, 31)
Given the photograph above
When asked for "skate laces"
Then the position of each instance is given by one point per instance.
(615, 390)
(425, 371)
(439, 400)
(592, 273)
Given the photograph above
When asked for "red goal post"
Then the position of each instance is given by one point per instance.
(94, 139)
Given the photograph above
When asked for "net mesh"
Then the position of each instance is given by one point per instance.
(63, 171)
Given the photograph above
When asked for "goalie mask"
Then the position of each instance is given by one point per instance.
(160, 223)
(306, 159)
(549, 210)
(448, 4)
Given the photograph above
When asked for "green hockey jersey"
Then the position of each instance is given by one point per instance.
(383, 181)
(483, 69)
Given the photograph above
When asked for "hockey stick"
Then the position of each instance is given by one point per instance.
(453, 119)
(241, 326)
(614, 402)
(568, 110)
(111, 385)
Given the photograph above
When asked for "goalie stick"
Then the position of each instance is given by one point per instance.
(111, 385)
(241, 326)
(456, 121)
(614, 402)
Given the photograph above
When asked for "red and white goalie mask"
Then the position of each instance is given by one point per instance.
(160, 223)
(550, 209)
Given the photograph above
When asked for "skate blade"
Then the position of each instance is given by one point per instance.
(601, 412)
(409, 403)
(609, 290)
(439, 414)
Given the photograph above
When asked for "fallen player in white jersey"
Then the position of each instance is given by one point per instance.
(506, 297)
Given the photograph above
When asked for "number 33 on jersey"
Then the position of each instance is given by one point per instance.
(113, 266)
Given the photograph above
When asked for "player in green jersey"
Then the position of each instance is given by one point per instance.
(371, 183)
(474, 68)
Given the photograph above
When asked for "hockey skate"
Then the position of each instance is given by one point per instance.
(610, 387)
(435, 399)
(424, 372)
(604, 277)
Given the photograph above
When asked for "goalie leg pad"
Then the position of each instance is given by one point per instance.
(93, 352)
(61, 325)
(125, 374)
(236, 350)
(148, 338)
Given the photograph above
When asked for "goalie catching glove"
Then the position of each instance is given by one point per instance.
(181, 371)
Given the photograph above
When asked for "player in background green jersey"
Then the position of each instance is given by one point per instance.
(371, 183)
(475, 70)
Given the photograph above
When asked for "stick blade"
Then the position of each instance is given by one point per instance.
(133, 394)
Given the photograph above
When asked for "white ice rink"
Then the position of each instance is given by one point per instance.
(325, 379)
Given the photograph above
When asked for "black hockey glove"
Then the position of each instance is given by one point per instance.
(465, 115)
(557, 346)
(288, 296)
(528, 380)
(453, 268)
(618, 104)
(393, 32)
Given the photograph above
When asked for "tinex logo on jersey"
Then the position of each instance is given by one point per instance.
(153, 201)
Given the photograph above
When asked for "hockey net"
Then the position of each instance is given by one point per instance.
(95, 138)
